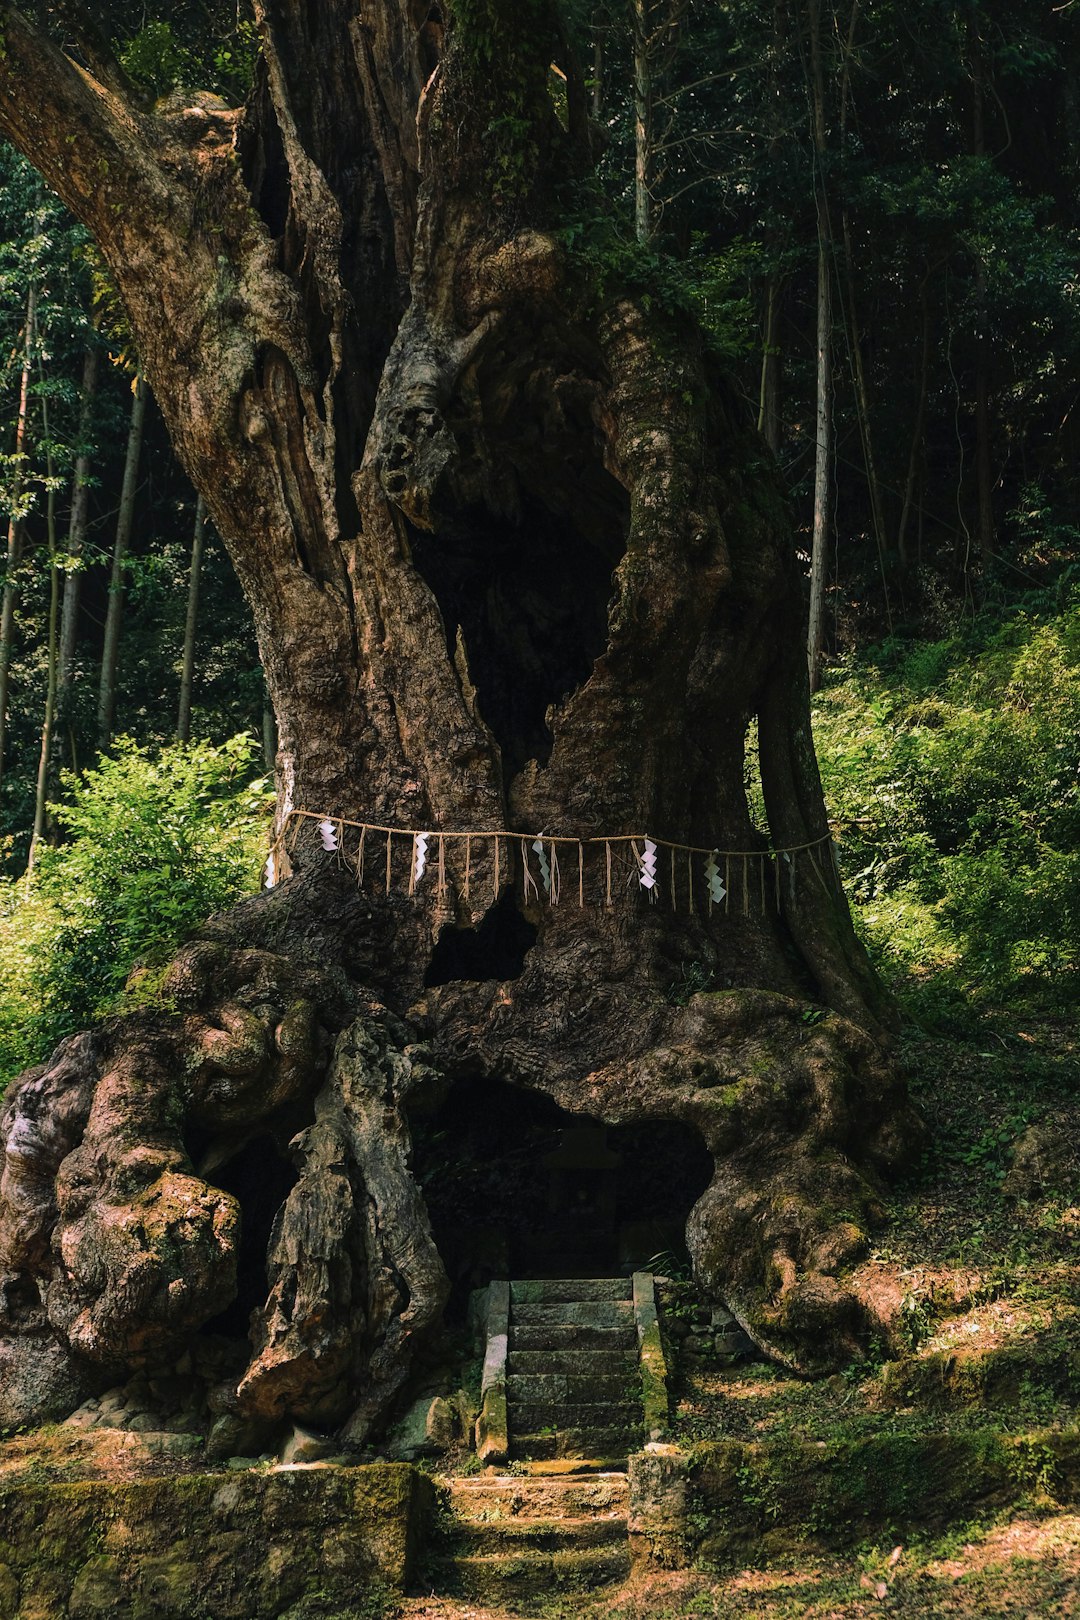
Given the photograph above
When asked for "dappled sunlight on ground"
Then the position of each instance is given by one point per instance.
(1028, 1568)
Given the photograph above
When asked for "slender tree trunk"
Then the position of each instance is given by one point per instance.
(769, 396)
(640, 11)
(52, 652)
(771, 367)
(80, 505)
(596, 95)
(984, 466)
(917, 431)
(125, 519)
(984, 472)
(862, 410)
(187, 668)
(15, 526)
(819, 554)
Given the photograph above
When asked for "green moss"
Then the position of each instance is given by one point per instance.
(749, 1499)
(234, 1547)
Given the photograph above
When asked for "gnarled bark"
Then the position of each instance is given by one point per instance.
(517, 564)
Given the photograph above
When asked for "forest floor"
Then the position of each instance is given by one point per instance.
(1025, 1567)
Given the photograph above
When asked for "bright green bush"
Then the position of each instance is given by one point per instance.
(954, 771)
(155, 843)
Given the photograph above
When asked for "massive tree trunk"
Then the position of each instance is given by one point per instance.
(518, 566)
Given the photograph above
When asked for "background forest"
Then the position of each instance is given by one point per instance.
(873, 211)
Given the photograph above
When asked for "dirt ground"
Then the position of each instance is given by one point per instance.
(1027, 1568)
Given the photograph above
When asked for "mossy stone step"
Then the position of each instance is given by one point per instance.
(491, 1577)
(516, 1533)
(574, 1290)
(566, 1389)
(574, 1363)
(576, 1336)
(540, 1496)
(593, 1313)
(608, 1443)
(528, 1417)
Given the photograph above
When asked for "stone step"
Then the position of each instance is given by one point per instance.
(592, 1313)
(529, 1417)
(606, 1443)
(495, 1577)
(567, 1389)
(525, 1535)
(492, 1499)
(574, 1363)
(572, 1336)
(556, 1290)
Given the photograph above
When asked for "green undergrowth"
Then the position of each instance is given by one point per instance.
(952, 771)
(154, 842)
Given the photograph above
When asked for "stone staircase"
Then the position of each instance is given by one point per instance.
(573, 1385)
(509, 1537)
(574, 1380)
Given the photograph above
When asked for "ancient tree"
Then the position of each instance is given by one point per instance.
(518, 565)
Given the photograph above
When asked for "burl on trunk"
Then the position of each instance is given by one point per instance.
(518, 567)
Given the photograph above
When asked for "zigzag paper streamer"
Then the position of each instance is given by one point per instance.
(420, 853)
(545, 865)
(270, 871)
(328, 833)
(713, 879)
(647, 875)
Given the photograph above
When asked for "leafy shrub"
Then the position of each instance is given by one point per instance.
(155, 844)
(954, 769)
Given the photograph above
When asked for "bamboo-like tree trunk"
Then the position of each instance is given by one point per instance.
(191, 624)
(596, 96)
(76, 540)
(52, 649)
(984, 472)
(124, 522)
(862, 411)
(917, 428)
(819, 552)
(640, 13)
(771, 367)
(15, 525)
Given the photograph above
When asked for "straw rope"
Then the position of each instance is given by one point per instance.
(545, 846)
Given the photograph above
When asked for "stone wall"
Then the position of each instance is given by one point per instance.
(733, 1502)
(293, 1544)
